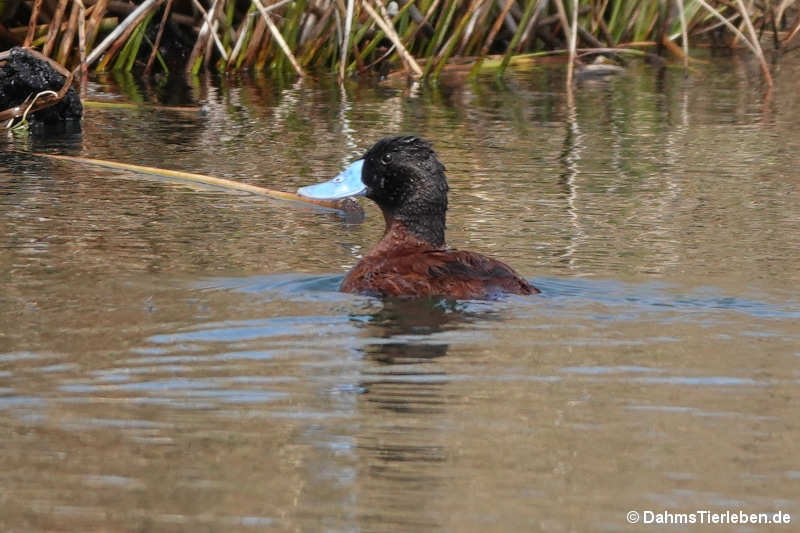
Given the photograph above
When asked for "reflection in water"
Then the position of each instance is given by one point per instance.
(407, 379)
(570, 158)
(403, 408)
(174, 359)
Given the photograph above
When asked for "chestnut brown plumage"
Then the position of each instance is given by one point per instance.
(407, 181)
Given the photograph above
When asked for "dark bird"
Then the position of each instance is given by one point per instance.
(407, 181)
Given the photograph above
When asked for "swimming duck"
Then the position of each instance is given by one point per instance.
(407, 181)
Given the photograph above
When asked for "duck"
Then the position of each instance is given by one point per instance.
(405, 178)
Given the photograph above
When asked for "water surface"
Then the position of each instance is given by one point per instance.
(175, 358)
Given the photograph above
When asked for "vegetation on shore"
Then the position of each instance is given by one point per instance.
(353, 37)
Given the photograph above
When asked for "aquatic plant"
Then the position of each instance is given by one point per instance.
(420, 38)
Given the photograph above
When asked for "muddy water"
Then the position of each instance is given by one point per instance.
(178, 359)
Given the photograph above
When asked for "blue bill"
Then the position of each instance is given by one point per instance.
(348, 183)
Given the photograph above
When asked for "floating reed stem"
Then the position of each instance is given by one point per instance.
(190, 177)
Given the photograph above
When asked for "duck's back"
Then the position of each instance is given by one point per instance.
(451, 273)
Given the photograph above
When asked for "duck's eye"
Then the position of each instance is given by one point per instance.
(386, 158)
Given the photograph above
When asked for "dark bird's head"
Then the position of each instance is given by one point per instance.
(404, 177)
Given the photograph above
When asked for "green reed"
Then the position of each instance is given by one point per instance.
(308, 35)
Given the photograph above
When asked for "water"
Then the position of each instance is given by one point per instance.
(178, 359)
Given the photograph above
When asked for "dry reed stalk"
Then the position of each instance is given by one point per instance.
(597, 15)
(684, 35)
(756, 44)
(471, 36)
(316, 35)
(263, 54)
(52, 30)
(509, 21)
(736, 31)
(157, 42)
(438, 39)
(529, 33)
(82, 46)
(320, 25)
(308, 22)
(379, 36)
(348, 24)
(470, 14)
(773, 19)
(241, 37)
(215, 16)
(424, 21)
(94, 22)
(562, 16)
(69, 35)
(255, 42)
(610, 41)
(37, 6)
(338, 20)
(199, 44)
(447, 50)
(781, 8)
(496, 27)
(211, 17)
(792, 33)
(531, 11)
(123, 27)
(718, 24)
(735, 41)
(125, 33)
(534, 22)
(388, 29)
(276, 34)
(210, 42)
(573, 43)
(588, 37)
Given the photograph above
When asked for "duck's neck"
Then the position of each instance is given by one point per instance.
(422, 232)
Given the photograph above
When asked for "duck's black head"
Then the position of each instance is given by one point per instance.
(407, 181)
(403, 176)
